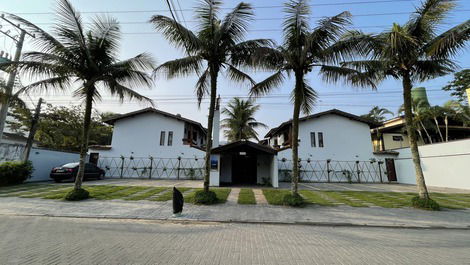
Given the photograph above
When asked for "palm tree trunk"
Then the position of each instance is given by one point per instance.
(420, 135)
(84, 145)
(210, 122)
(295, 134)
(437, 127)
(426, 131)
(422, 189)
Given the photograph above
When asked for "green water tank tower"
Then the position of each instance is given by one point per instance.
(419, 94)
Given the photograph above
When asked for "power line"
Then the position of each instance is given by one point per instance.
(223, 8)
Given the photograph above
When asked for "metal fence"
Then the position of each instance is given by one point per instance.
(152, 167)
(335, 171)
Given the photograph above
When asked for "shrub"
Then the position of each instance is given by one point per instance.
(77, 195)
(294, 200)
(15, 172)
(202, 197)
(426, 204)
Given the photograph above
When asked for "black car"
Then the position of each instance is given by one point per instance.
(69, 172)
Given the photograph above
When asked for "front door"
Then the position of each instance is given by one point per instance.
(244, 169)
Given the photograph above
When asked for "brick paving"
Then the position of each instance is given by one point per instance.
(46, 240)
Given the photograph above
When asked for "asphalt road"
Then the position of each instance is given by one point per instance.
(54, 240)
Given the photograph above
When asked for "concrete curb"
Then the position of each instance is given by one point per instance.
(209, 221)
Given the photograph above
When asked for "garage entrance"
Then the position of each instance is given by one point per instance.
(244, 163)
(244, 168)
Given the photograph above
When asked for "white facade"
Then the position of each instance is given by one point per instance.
(147, 134)
(344, 139)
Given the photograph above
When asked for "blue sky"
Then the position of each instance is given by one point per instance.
(177, 96)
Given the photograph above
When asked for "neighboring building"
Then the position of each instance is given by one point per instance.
(332, 134)
(151, 132)
(392, 134)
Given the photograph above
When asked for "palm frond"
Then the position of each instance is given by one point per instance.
(70, 26)
(235, 23)
(176, 33)
(242, 54)
(328, 31)
(202, 86)
(333, 74)
(426, 18)
(207, 14)
(450, 42)
(430, 69)
(351, 45)
(295, 25)
(107, 32)
(238, 76)
(58, 83)
(306, 95)
(265, 86)
(180, 67)
(123, 92)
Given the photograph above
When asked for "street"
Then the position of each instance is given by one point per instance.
(54, 240)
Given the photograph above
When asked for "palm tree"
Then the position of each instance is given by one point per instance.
(241, 123)
(218, 44)
(419, 109)
(87, 58)
(377, 114)
(413, 53)
(434, 113)
(302, 50)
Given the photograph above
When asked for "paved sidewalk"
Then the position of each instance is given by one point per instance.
(315, 215)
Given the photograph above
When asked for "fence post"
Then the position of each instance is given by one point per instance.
(380, 171)
(328, 168)
(151, 167)
(179, 164)
(358, 172)
(122, 166)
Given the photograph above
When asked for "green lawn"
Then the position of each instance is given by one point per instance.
(367, 199)
(246, 196)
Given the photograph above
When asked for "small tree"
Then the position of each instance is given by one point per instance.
(377, 114)
(459, 85)
(241, 123)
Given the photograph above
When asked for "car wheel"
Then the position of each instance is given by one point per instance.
(101, 176)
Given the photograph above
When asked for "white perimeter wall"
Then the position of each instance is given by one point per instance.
(344, 140)
(44, 160)
(444, 164)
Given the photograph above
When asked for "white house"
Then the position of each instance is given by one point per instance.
(151, 143)
(152, 132)
(331, 134)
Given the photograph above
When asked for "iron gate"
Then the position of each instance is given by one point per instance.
(371, 171)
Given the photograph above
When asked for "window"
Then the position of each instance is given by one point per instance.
(312, 139)
(162, 138)
(397, 138)
(170, 138)
(320, 139)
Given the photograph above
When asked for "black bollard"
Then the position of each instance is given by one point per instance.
(178, 201)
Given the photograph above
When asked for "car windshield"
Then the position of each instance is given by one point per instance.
(70, 165)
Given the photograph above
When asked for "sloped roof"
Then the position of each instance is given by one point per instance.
(243, 144)
(112, 120)
(317, 115)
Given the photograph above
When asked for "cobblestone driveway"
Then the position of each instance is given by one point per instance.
(46, 240)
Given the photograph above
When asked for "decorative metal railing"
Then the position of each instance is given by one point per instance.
(371, 171)
(152, 167)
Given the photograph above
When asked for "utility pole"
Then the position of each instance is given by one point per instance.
(12, 73)
(32, 131)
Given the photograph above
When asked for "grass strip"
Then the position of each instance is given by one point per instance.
(167, 196)
(147, 194)
(315, 198)
(275, 197)
(246, 196)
